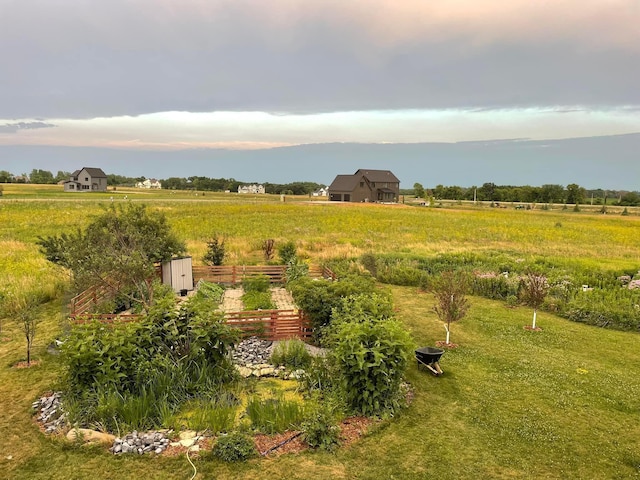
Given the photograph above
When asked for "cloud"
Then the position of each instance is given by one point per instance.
(18, 126)
(70, 59)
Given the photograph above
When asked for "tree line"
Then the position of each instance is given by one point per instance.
(548, 193)
(39, 176)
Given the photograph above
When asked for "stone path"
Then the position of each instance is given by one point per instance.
(232, 299)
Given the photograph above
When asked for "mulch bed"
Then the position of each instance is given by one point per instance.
(443, 344)
(531, 329)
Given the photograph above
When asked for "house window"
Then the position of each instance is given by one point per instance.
(85, 187)
(373, 184)
(361, 184)
(86, 179)
(71, 186)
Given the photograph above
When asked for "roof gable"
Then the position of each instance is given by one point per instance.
(94, 172)
(377, 175)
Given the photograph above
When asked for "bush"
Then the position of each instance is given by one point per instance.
(215, 251)
(210, 291)
(235, 447)
(371, 358)
(287, 252)
(291, 353)
(321, 431)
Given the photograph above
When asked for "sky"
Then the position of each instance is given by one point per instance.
(250, 75)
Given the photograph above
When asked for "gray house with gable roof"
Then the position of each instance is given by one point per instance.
(365, 186)
(87, 179)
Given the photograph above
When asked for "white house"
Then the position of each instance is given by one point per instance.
(321, 192)
(87, 179)
(251, 189)
(149, 183)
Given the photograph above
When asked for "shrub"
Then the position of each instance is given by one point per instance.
(287, 252)
(235, 447)
(215, 251)
(210, 291)
(321, 431)
(296, 270)
(268, 248)
(371, 358)
(291, 353)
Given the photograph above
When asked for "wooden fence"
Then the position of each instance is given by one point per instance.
(266, 324)
(234, 274)
(271, 324)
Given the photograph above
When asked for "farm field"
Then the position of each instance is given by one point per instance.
(561, 403)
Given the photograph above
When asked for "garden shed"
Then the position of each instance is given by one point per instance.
(178, 273)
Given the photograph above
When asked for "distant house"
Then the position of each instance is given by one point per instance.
(149, 183)
(365, 186)
(321, 192)
(87, 179)
(251, 189)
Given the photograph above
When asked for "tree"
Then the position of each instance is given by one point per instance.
(5, 177)
(451, 304)
(117, 251)
(534, 290)
(215, 251)
(41, 176)
(575, 194)
(25, 309)
(418, 190)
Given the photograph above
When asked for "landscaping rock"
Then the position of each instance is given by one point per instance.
(50, 413)
(141, 443)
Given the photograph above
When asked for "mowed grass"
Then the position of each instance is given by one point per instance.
(561, 403)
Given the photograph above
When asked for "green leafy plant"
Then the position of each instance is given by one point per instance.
(235, 447)
(371, 358)
(257, 301)
(215, 250)
(256, 283)
(287, 252)
(291, 353)
(321, 431)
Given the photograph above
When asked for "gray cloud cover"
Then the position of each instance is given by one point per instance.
(88, 58)
(16, 127)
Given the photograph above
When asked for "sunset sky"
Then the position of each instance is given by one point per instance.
(240, 74)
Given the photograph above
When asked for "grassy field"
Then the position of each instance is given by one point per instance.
(561, 403)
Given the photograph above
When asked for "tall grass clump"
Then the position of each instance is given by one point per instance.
(275, 414)
(291, 353)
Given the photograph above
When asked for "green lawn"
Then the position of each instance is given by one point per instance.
(560, 403)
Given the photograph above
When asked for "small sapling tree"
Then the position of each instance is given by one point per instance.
(215, 251)
(25, 309)
(287, 252)
(451, 303)
(534, 291)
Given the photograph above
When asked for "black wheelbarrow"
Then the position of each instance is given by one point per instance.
(429, 357)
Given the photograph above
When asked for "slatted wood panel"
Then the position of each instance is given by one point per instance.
(271, 324)
(233, 274)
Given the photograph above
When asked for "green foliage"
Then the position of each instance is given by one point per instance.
(287, 252)
(371, 358)
(210, 290)
(235, 447)
(291, 353)
(296, 270)
(321, 431)
(215, 251)
(449, 291)
(256, 283)
(275, 414)
(216, 416)
(117, 250)
(166, 358)
(318, 298)
(363, 307)
(254, 300)
(369, 262)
